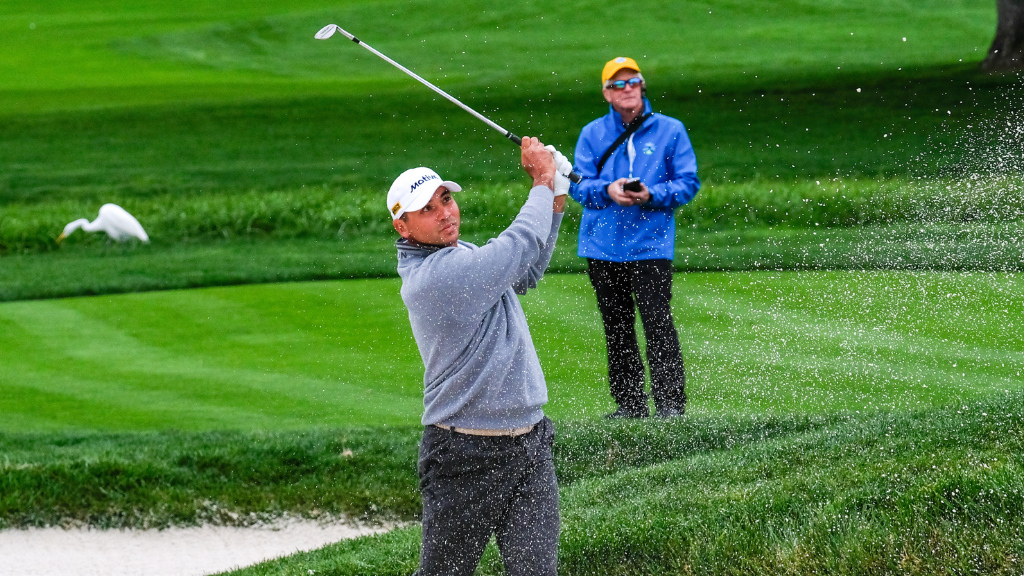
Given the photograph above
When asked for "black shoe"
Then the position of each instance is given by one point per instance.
(627, 413)
(669, 412)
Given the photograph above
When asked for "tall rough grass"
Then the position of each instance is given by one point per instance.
(324, 212)
(158, 480)
(937, 491)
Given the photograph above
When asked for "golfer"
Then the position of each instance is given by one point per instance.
(628, 236)
(485, 463)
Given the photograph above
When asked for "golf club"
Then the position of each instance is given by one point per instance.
(329, 30)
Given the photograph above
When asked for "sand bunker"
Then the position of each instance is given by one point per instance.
(170, 552)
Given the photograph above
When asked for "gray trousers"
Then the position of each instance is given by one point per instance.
(476, 486)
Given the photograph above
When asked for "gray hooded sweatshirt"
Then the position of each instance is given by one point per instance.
(481, 369)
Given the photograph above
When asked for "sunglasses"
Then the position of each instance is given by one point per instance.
(621, 84)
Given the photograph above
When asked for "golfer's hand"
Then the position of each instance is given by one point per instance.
(562, 170)
(538, 163)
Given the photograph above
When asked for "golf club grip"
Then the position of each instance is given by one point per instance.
(573, 177)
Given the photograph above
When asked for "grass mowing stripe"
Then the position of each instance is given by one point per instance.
(59, 408)
(782, 341)
(107, 366)
(892, 339)
(337, 353)
(468, 44)
(895, 347)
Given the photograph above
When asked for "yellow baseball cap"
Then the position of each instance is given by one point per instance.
(616, 64)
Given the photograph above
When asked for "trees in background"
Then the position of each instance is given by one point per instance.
(1007, 50)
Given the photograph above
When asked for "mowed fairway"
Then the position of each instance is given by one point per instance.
(849, 296)
(326, 354)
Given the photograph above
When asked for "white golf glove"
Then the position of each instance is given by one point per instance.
(562, 170)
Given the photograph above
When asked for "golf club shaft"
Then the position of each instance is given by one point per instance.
(519, 141)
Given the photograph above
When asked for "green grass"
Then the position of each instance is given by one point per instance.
(159, 479)
(156, 480)
(933, 492)
(927, 491)
(301, 355)
(936, 491)
(857, 422)
(155, 97)
(313, 140)
(110, 269)
(216, 124)
(323, 233)
(329, 213)
(150, 52)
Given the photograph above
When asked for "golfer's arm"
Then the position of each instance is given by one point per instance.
(534, 274)
(469, 282)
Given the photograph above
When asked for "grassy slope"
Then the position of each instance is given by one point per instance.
(166, 478)
(930, 491)
(250, 49)
(152, 104)
(126, 107)
(291, 356)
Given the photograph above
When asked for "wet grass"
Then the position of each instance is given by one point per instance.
(154, 480)
(323, 233)
(831, 136)
(292, 356)
(930, 491)
(248, 150)
(935, 491)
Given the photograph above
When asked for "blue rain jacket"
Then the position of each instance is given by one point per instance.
(660, 155)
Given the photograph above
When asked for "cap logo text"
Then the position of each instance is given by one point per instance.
(422, 180)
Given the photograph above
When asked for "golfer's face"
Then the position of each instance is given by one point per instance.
(436, 223)
(628, 98)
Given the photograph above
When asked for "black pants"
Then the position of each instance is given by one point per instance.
(622, 288)
(476, 486)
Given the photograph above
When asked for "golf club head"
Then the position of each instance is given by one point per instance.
(326, 32)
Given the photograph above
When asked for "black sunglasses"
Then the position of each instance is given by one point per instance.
(621, 84)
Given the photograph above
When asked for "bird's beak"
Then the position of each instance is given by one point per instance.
(61, 237)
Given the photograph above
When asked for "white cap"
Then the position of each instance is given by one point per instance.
(413, 189)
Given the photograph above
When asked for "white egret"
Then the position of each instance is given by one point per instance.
(114, 220)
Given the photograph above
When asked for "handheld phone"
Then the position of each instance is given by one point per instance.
(632, 185)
